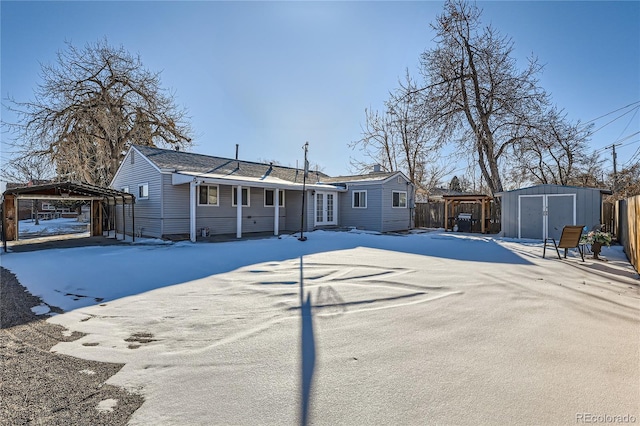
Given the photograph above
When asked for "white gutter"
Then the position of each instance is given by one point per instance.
(180, 178)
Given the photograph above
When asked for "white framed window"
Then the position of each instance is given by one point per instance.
(269, 196)
(48, 206)
(399, 199)
(359, 199)
(208, 195)
(399, 179)
(143, 191)
(245, 197)
(125, 189)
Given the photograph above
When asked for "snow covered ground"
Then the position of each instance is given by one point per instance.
(433, 328)
(60, 226)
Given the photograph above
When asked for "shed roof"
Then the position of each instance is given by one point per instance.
(549, 185)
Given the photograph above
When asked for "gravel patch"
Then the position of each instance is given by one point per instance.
(40, 387)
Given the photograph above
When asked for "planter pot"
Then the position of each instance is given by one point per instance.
(596, 248)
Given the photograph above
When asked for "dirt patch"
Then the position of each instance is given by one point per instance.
(42, 387)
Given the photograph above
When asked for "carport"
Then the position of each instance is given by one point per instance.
(103, 211)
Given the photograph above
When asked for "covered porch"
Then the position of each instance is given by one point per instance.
(271, 203)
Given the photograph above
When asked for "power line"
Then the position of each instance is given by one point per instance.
(615, 119)
(609, 113)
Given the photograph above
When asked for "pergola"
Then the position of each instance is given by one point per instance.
(452, 201)
(64, 191)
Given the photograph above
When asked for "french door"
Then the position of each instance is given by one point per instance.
(326, 208)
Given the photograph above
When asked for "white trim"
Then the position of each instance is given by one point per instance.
(182, 177)
(238, 206)
(192, 211)
(217, 204)
(353, 199)
(276, 211)
(406, 200)
(235, 188)
(274, 196)
(141, 197)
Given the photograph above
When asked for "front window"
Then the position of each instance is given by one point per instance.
(208, 195)
(400, 199)
(245, 197)
(359, 200)
(269, 195)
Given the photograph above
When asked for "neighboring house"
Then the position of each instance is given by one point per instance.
(187, 194)
(541, 211)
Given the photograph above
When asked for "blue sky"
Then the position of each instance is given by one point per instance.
(272, 75)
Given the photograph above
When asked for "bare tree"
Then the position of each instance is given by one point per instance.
(400, 139)
(92, 104)
(378, 143)
(25, 171)
(554, 149)
(474, 93)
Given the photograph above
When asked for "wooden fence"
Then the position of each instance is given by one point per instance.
(628, 228)
(429, 215)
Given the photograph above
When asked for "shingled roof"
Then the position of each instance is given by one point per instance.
(373, 176)
(180, 161)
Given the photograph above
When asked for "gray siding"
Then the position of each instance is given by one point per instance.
(147, 212)
(175, 218)
(294, 209)
(369, 218)
(588, 205)
(395, 219)
(256, 217)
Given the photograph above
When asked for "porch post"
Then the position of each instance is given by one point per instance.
(276, 212)
(239, 212)
(192, 211)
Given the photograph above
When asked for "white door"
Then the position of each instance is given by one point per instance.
(326, 208)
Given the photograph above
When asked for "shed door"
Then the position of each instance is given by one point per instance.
(531, 218)
(560, 212)
(544, 216)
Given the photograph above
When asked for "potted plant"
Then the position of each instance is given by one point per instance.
(596, 239)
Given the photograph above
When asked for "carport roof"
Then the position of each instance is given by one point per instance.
(68, 190)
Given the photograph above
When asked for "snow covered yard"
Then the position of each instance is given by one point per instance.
(418, 329)
(47, 227)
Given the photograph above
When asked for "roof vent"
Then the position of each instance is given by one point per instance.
(377, 168)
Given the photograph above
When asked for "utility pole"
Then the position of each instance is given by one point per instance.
(615, 165)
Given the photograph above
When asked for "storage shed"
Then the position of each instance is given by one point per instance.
(541, 211)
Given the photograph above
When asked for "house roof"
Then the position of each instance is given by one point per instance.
(200, 164)
(363, 178)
